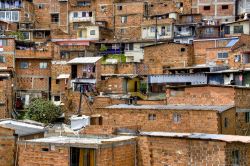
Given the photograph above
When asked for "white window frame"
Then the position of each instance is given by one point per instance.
(43, 65)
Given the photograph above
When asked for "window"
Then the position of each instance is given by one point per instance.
(57, 81)
(84, 3)
(176, 118)
(168, 28)
(2, 59)
(3, 42)
(236, 157)
(238, 29)
(24, 65)
(122, 31)
(237, 58)
(222, 55)
(57, 98)
(224, 7)
(9, 16)
(26, 35)
(209, 30)
(152, 29)
(183, 49)
(75, 14)
(84, 14)
(92, 32)
(43, 65)
(40, 6)
(227, 30)
(129, 46)
(225, 122)
(179, 4)
(163, 31)
(206, 7)
(247, 117)
(75, 26)
(82, 155)
(90, 14)
(39, 34)
(151, 117)
(54, 18)
(15, 16)
(119, 7)
(124, 19)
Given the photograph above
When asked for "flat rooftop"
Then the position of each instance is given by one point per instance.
(81, 141)
(216, 137)
(172, 107)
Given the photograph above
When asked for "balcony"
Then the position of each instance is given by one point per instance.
(34, 54)
(82, 19)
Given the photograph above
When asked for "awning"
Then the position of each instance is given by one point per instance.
(63, 76)
(232, 42)
(82, 81)
(4, 75)
(84, 60)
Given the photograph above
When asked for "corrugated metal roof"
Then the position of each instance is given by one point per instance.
(218, 137)
(84, 60)
(171, 107)
(22, 128)
(232, 42)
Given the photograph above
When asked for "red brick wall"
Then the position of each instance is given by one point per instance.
(122, 154)
(32, 154)
(168, 55)
(155, 151)
(191, 121)
(204, 95)
(8, 147)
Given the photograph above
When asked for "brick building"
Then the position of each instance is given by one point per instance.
(87, 150)
(175, 118)
(156, 148)
(33, 73)
(163, 56)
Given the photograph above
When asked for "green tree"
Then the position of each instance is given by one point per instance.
(42, 110)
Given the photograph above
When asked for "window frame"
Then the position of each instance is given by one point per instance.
(206, 8)
(223, 55)
(124, 19)
(2, 59)
(22, 66)
(42, 65)
(53, 19)
(176, 117)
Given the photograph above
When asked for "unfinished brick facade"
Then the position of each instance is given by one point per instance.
(155, 150)
(110, 153)
(8, 149)
(165, 119)
(164, 56)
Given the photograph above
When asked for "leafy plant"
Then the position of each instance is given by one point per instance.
(18, 35)
(42, 110)
(103, 48)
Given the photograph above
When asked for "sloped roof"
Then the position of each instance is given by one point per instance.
(22, 128)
